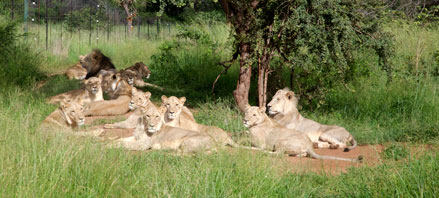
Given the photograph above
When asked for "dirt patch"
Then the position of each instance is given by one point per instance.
(371, 157)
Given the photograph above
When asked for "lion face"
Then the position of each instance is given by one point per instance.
(90, 60)
(93, 84)
(139, 99)
(73, 112)
(253, 116)
(143, 69)
(173, 106)
(129, 76)
(282, 102)
(152, 119)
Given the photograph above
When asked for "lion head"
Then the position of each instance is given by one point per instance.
(93, 84)
(254, 115)
(173, 106)
(139, 99)
(73, 112)
(129, 76)
(282, 102)
(143, 69)
(152, 119)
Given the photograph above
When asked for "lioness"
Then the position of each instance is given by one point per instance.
(138, 71)
(177, 115)
(138, 99)
(120, 93)
(283, 109)
(76, 71)
(96, 63)
(91, 91)
(152, 133)
(68, 116)
(267, 134)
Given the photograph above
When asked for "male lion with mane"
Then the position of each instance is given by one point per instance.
(97, 63)
(283, 109)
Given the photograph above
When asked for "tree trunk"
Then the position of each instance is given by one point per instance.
(243, 86)
(129, 16)
(263, 66)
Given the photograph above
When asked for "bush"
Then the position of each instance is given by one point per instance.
(19, 63)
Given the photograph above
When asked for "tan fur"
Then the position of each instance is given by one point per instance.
(138, 99)
(90, 92)
(283, 108)
(267, 134)
(178, 115)
(120, 94)
(152, 133)
(67, 117)
(76, 72)
(137, 72)
(97, 63)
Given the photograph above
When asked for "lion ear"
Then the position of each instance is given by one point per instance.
(262, 109)
(182, 99)
(133, 90)
(147, 94)
(100, 77)
(290, 95)
(164, 98)
(247, 107)
(81, 57)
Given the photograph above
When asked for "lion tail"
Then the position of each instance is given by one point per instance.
(353, 143)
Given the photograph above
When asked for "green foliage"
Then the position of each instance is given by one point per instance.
(395, 152)
(80, 19)
(19, 64)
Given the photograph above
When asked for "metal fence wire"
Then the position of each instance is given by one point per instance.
(56, 23)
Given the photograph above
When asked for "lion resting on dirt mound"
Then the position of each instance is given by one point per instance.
(283, 109)
(120, 93)
(97, 63)
(92, 91)
(152, 133)
(267, 134)
(68, 116)
(76, 71)
(177, 115)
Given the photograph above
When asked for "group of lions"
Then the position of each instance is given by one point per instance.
(172, 126)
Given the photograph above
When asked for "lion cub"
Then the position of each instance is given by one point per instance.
(69, 115)
(76, 71)
(178, 115)
(91, 91)
(267, 134)
(152, 133)
(138, 99)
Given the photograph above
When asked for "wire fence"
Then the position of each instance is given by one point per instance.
(60, 23)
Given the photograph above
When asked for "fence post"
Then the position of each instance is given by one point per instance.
(169, 30)
(12, 9)
(47, 25)
(148, 30)
(158, 27)
(138, 27)
(89, 35)
(25, 15)
(97, 25)
(108, 24)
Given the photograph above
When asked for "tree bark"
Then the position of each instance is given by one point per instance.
(243, 86)
(129, 16)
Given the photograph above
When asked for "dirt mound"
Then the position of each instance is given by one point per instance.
(370, 153)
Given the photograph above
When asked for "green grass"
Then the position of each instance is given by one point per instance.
(39, 164)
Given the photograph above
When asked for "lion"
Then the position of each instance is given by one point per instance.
(140, 71)
(152, 133)
(178, 115)
(91, 91)
(120, 95)
(267, 134)
(68, 117)
(283, 109)
(97, 63)
(138, 99)
(76, 71)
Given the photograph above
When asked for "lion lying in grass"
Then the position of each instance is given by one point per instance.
(76, 71)
(92, 91)
(177, 115)
(267, 134)
(152, 133)
(283, 109)
(67, 118)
